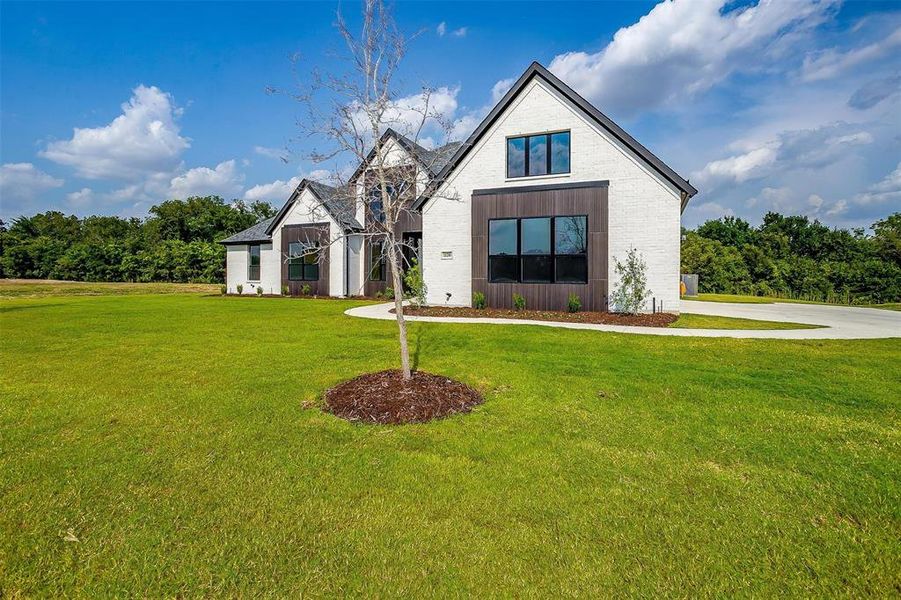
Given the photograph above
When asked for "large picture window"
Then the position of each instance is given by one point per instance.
(253, 262)
(533, 155)
(303, 261)
(538, 250)
(377, 268)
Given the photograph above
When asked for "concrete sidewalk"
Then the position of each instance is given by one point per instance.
(840, 322)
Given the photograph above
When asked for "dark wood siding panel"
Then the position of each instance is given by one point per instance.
(591, 201)
(314, 232)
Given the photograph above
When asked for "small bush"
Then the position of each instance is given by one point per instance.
(519, 303)
(286, 290)
(574, 304)
(478, 300)
(306, 289)
(223, 289)
(389, 293)
(240, 288)
(259, 290)
(416, 283)
(379, 294)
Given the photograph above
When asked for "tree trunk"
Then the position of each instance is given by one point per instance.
(399, 307)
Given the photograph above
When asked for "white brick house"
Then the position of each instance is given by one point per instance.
(539, 200)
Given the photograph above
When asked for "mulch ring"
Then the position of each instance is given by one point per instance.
(603, 318)
(385, 397)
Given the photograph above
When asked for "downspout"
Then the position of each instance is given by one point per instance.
(346, 267)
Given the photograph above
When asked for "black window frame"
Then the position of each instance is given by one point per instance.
(549, 153)
(382, 261)
(302, 261)
(250, 265)
(552, 256)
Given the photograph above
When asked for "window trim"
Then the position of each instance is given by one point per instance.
(259, 265)
(548, 158)
(553, 255)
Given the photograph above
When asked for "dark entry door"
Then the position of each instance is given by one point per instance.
(412, 248)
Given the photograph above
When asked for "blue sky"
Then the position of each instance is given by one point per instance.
(108, 108)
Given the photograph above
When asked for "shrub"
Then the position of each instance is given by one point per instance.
(632, 290)
(240, 288)
(223, 289)
(519, 303)
(389, 293)
(416, 283)
(259, 290)
(306, 289)
(379, 294)
(478, 300)
(574, 304)
(285, 290)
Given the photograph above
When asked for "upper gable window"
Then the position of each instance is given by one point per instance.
(542, 154)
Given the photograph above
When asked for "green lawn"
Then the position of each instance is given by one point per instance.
(693, 321)
(166, 446)
(737, 298)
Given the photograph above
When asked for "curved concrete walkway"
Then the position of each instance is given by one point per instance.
(840, 322)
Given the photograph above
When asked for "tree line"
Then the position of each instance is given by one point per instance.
(177, 242)
(787, 256)
(793, 257)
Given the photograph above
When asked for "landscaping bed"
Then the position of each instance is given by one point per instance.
(384, 397)
(604, 318)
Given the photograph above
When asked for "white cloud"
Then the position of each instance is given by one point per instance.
(441, 29)
(874, 92)
(24, 182)
(830, 63)
(81, 199)
(681, 48)
(144, 139)
(277, 153)
(804, 149)
(223, 181)
(500, 88)
(461, 32)
(278, 191)
(887, 190)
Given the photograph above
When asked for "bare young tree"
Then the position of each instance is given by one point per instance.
(364, 120)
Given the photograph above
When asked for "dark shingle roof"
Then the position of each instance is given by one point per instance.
(256, 233)
(338, 202)
(435, 159)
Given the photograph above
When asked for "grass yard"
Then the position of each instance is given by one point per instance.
(738, 298)
(168, 445)
(694, 321)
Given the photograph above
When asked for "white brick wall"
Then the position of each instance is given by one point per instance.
(236, 259)
(643, 208)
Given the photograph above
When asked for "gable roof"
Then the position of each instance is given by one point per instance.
(338, 205)
(432, 160)
(537, 70)
(254, 233)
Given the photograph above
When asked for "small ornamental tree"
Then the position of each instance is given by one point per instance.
(632, 291)
(362, 116)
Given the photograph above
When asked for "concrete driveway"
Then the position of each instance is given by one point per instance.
(840, 323)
